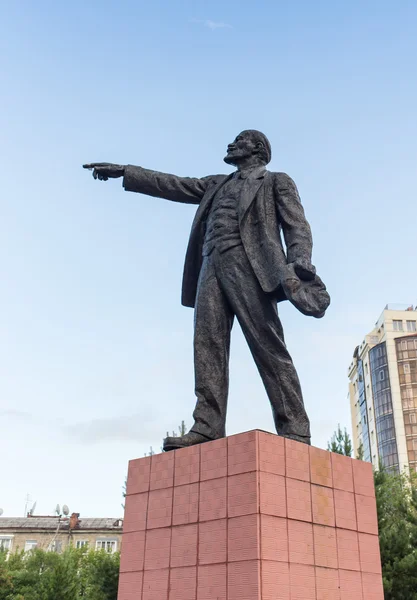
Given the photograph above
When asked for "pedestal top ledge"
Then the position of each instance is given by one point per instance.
(252, 451)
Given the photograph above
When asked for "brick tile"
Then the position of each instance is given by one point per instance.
(272, 496)
(183, 584)
(271, 453)
(366, 514)
(321, 467)
(275, 580)
(138, 475)
(242, 453)
(363, 478)
(342, 472)
(242, 494)
(300, 542)
(327, 584)
(372, 587)
(159, 508)
(298, 500)
(345, 509)
(274, 538)
(187, 465)
(348, 550)
(162, 471)
(212, 582)
(303, 582)
(155, 585)
(325, 546)
(212, 542)
(369, 553)
(213, 459)
(243, 538)
(136, 506)
(133, 554)
(297, 460)
(158, 546)
(184, 545)
(213, 499)
(185, 504)
(323, 505)
(130, 586)
(350, 585)
(243, 580)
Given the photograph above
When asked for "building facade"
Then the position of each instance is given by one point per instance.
(383, 391)
(57, 533)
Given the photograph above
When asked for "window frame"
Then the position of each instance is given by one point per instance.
(107, 541)
(34, 544)
(398, 324)
(6, 538)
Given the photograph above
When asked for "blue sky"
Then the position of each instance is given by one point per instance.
(96, 349)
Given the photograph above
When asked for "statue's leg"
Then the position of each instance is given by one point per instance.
(213, 322)
(258, 316)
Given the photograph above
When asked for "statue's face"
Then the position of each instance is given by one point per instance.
(242, 148)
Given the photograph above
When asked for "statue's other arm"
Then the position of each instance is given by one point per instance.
(153, 183)
(295, 227)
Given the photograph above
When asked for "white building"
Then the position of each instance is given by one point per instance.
(383, 390)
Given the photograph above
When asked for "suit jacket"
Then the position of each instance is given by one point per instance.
(269, 204)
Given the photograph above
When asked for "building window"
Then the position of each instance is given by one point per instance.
(109, 546)
(411, 326)
(381, 375)
(398, 325)
(5, 543)
(30, 545)
(81, 543)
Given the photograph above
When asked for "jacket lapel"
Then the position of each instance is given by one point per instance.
(250, 188)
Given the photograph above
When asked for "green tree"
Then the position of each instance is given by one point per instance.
(182, 430)
(396, 498)
(100, 575)
(340, 442)
(73, 575)
(360, 453)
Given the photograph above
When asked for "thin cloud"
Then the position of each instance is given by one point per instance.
(16, 414)
(118, 429)
(213, 25)
(217, 25)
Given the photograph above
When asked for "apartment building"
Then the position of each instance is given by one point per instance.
(55, 533)
(383, 390)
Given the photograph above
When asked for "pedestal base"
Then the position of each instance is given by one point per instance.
(250, 517)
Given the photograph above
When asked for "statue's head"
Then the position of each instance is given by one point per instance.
(250, 146)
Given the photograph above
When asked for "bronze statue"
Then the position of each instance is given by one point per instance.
(236, 265)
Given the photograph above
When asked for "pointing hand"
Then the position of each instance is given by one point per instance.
(104, 171)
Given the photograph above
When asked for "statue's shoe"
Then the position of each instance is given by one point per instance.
(189, 439)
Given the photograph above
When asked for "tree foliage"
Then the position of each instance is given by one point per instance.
(396, 498)
(340, 442)
(76, 574)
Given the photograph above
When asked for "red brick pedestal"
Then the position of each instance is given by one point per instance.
(250, 517)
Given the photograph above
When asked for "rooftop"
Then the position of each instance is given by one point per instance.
(394, 306)
(51, 523)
